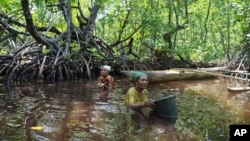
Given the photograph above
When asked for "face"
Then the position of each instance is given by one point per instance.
(142, 82)
(104, 72)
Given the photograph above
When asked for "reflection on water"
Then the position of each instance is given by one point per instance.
(79, 111)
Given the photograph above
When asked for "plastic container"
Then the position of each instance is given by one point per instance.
(166, 107)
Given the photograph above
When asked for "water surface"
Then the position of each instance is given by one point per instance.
(79, 111)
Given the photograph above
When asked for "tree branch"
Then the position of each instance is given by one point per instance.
(30, 25)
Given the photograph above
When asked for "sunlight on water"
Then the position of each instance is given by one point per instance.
(235, 102)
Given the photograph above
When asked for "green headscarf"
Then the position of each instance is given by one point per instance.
(137, 75)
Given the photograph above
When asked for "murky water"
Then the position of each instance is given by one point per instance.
(79, 111)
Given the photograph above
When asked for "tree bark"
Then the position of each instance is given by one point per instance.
(30, 25)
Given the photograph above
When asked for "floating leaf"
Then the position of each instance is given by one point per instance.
(37, 127)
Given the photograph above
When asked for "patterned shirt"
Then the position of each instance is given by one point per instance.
(109, 80)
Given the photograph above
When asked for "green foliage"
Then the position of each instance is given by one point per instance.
(9, 5)
(206, 36)
(201, 40)
(3, 51)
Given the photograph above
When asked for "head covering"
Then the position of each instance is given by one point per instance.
(106, 67)
(137, 75)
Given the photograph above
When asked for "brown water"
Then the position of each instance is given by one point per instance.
(79, 111)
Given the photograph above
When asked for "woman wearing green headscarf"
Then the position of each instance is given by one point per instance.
(136, 96)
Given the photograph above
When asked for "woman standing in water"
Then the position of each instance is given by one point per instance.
(136, 96)
(142, 107)
(106, 84)
(107, 81)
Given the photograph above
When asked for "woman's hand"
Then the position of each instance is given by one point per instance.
(149, 103)
(101, 85)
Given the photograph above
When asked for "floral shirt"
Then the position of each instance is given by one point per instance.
(107, 81)
(133, 97)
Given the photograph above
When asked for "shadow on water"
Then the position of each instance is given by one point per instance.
(79, 111)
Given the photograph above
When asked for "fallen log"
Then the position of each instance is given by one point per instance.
(238, 89)
(170, 75)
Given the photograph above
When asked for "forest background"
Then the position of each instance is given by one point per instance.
(48, 40)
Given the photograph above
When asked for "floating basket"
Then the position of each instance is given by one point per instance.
(166, 107)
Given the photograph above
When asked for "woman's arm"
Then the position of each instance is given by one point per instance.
(111, 82)
(139, 105)
(131, 101)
